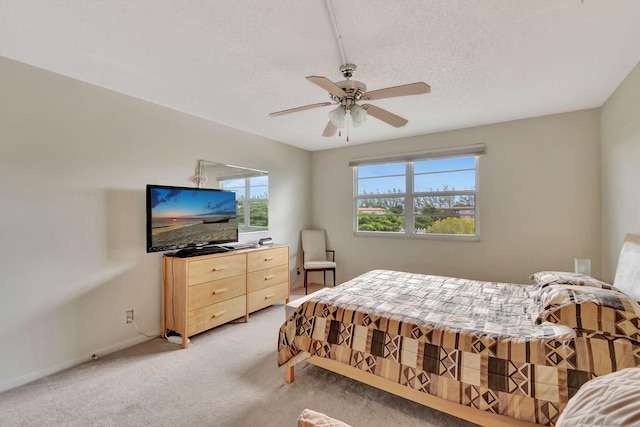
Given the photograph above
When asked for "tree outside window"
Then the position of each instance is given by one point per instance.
(252, 195)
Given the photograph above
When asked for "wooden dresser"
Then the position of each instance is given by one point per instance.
(200, 293)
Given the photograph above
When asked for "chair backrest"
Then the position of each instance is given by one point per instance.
(314, 245)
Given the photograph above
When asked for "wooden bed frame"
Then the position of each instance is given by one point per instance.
(467, 413)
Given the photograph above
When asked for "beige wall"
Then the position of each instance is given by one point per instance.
(539, 202)
(74, 162)
(620, 169)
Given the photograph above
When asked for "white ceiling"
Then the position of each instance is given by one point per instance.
(235, 61)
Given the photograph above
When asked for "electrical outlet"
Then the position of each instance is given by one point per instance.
(128, 316)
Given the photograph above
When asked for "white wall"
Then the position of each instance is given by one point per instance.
(620, 169)
(539, 202)
(74, 162)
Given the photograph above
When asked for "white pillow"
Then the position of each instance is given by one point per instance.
(627, 277)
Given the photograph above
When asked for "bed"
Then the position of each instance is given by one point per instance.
(491, 353)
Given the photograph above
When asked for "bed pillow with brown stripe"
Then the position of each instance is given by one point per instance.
(590, 309)
(546, 278)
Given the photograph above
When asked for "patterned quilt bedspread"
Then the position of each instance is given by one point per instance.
(515, 350)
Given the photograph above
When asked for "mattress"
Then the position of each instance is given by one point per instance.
(510, 349)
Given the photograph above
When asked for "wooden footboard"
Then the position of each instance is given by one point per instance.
(467, 413)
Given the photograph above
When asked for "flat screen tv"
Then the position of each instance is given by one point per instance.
(182, 217)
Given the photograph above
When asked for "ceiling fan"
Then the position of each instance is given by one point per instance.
(347, 93)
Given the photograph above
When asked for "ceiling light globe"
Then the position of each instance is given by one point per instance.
(358, 115)
(337, 116)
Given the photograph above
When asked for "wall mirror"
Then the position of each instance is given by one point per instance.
(250, 185)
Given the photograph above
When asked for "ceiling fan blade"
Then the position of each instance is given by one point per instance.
(304, 107)
(330, 129)
(384, 115)
(403, 90)
(327, 85)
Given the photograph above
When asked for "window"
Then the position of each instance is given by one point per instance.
(426, 194)
(253, 202)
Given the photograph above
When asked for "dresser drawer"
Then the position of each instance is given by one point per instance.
(213, 292)
(213, 315)
(269, 296)
(214, 268)
(267, 277)
(261, 259)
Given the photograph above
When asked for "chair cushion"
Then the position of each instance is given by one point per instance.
(318, 265)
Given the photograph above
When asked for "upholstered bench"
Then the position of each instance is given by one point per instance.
(309, 418)
(610, 400)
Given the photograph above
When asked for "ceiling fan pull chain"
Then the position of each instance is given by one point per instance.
(347, 117)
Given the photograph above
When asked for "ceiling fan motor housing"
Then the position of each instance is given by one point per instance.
(348, 70)
(354, 90)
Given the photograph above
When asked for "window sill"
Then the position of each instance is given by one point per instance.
(452, 237)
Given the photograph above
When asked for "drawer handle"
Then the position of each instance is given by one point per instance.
(269, 277)
(219, 291)
(270, 258)
(216, 315)
(217, 268)
(269, 296)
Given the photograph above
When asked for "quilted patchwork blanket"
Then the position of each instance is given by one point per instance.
(497, 347)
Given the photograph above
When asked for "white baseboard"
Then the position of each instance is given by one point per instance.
(33, 376)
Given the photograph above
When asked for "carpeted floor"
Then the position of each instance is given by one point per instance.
(228, 377)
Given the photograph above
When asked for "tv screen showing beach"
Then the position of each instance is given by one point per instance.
(178, 217)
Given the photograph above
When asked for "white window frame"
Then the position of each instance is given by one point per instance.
(247, 228)
(409, 195)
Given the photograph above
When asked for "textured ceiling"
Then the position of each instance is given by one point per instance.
(235, 61)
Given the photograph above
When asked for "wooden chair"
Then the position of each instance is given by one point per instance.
(316, 256)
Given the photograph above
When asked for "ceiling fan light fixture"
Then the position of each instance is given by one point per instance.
(337, 116)
(345, 94)
(358, 115)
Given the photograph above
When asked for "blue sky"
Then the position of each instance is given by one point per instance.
(174, 203)
(259, 186)
(429, 175)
